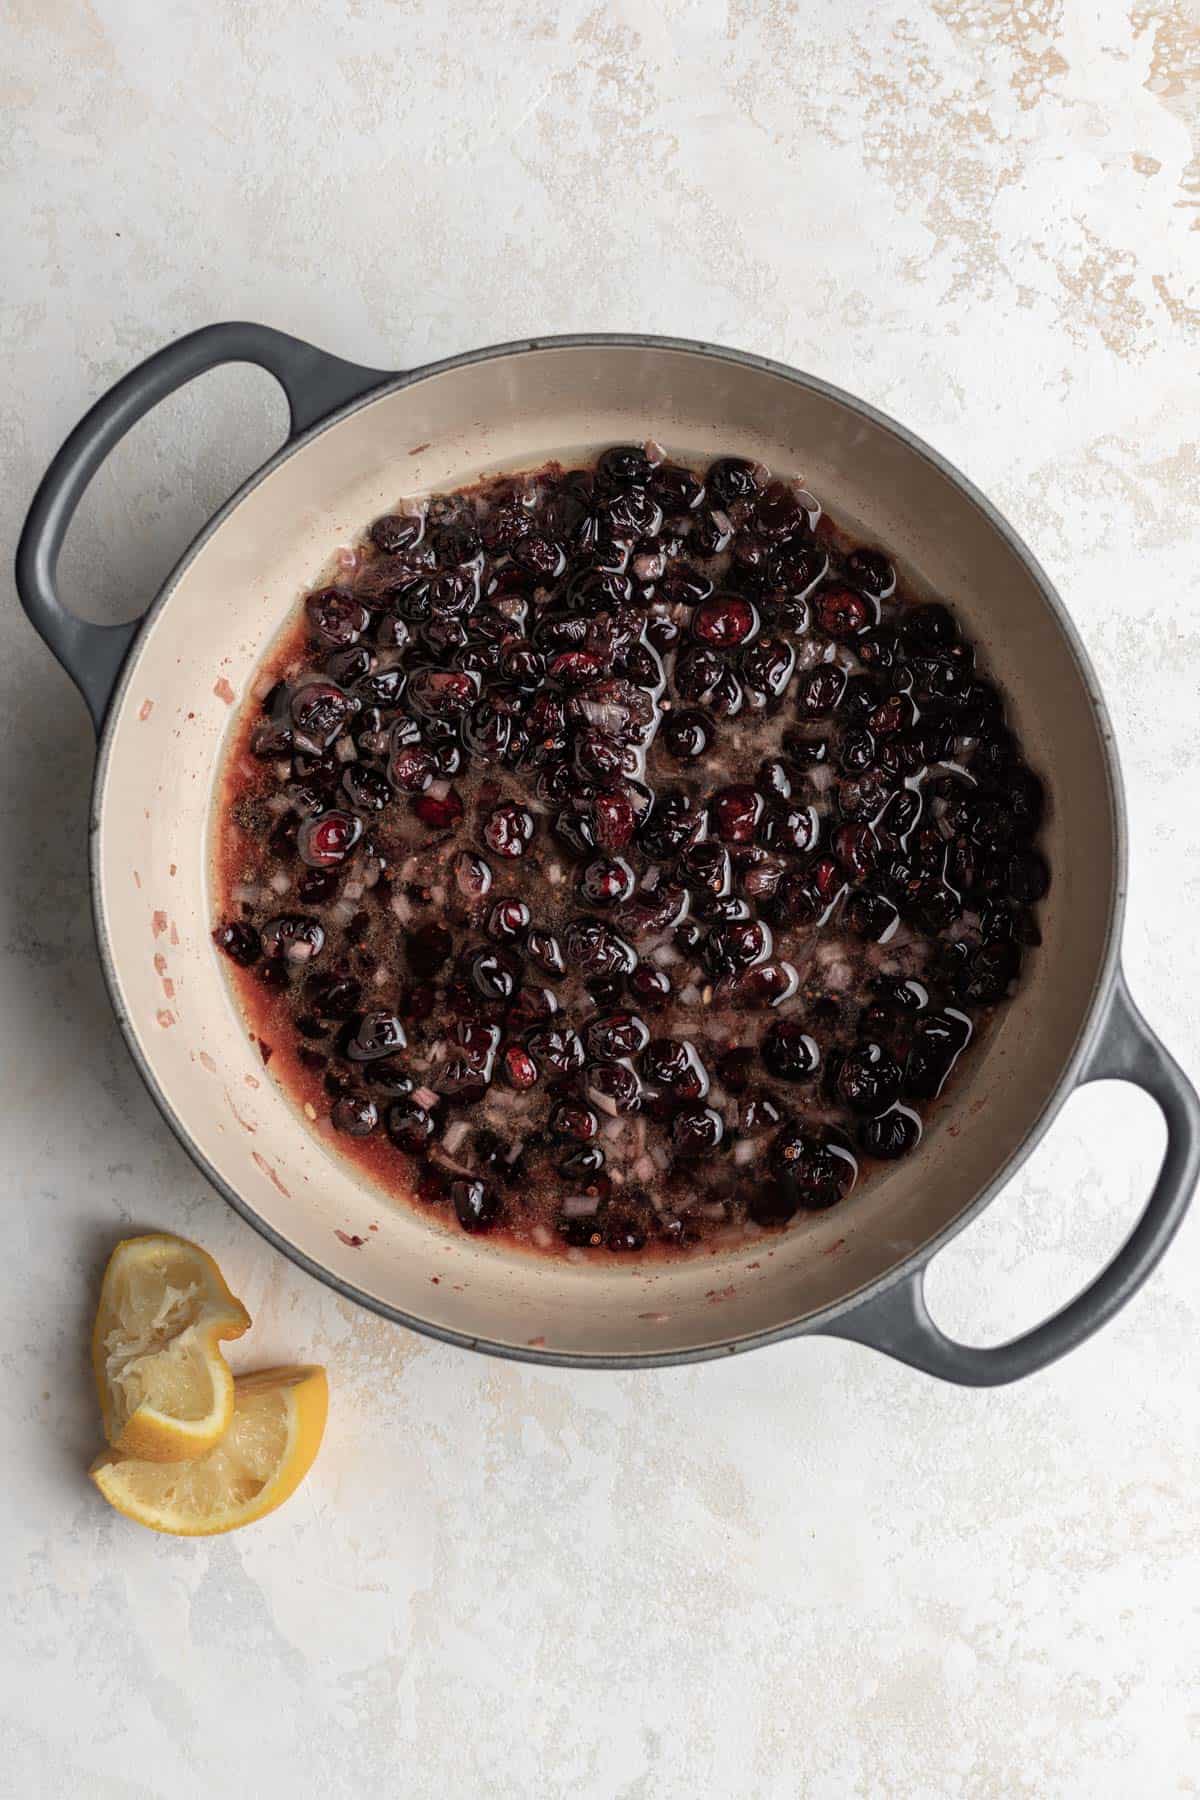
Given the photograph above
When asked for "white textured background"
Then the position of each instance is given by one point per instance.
(808, 1573)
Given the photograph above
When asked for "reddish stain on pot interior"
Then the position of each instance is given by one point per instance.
(270, 1174)
(165, 1017)
(223, 691)
(206, 1062)
(145, 709)
(350, 1239)
(158, 923)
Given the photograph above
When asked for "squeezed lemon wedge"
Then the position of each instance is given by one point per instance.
(166, 1392)
(274, 1434)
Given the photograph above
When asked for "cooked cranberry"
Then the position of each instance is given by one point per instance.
(439, 812)
(696, 1130)
(767, 984)
(625, 465)
(412, 768)
(871, 571)
(350, 667)
(814, 1172)
(327, 840)
(767, 666)
(320, 711)
(789, 1052)
(993, 970)
(336, 619)
(736, 811)
(732, 478)
(868, 1078)
(676, 489)
(333, 996)
(532, 1006)
(613, 1087)
(686, 734)
(472, 875)
(355, 1115)
(519, 1068)
(870, 916)
(557, 1049)
(736, 945)
(893, 1134)
(239, 942)
(428, 948)
(596, 756)
(540, 556)
(675, 1064)
(397, 532)
(476, 1205)
(650, 986)
(292, 938)
(509, 920)
(632, 512)
(614, 1035)
(366, 788)
(410, 1126)
(597, 950)
(442, 693)
(790, 828)
(545, 950)
(711, 533)
(572, 1119)
(508, 830)
(675, 823)
(496, 974)
(375, 1034)
(842, 613)
(612, 820)
(724, 621)
(820, 689)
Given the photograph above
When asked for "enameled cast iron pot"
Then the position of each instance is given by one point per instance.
(159, 690)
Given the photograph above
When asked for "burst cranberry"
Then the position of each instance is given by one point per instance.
(557, 1049)
(509, 830)
(675, 1064)
(675, 823)
(615, 1035)
(612, 820)
(819, 690)
(366, 788)
(767, 666)
(812, 1174)
(572, 1119)
(327, 840)
(598, 950)
(519, 1068)
(509, 920)
(412, 768)
(607, 881)
(439, 811)
(546, 951)
(790, 828)
(711, 534)
(724, 621)
(239, 942)
(442, 693)
(336, 619)
(736, 811)
(496, 974)
(613, 1087)
(842, 613)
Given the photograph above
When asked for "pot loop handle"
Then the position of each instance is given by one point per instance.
(315, 384)
(897, 1321)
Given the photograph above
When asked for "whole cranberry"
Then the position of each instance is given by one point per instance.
(328, 839)
(508, 830)
(239, 942)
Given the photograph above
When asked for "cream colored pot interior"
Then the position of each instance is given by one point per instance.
(198, 655)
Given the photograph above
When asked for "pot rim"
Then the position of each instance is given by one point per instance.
(814, 1323)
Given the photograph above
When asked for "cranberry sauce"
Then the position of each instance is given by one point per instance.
(615, 858)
